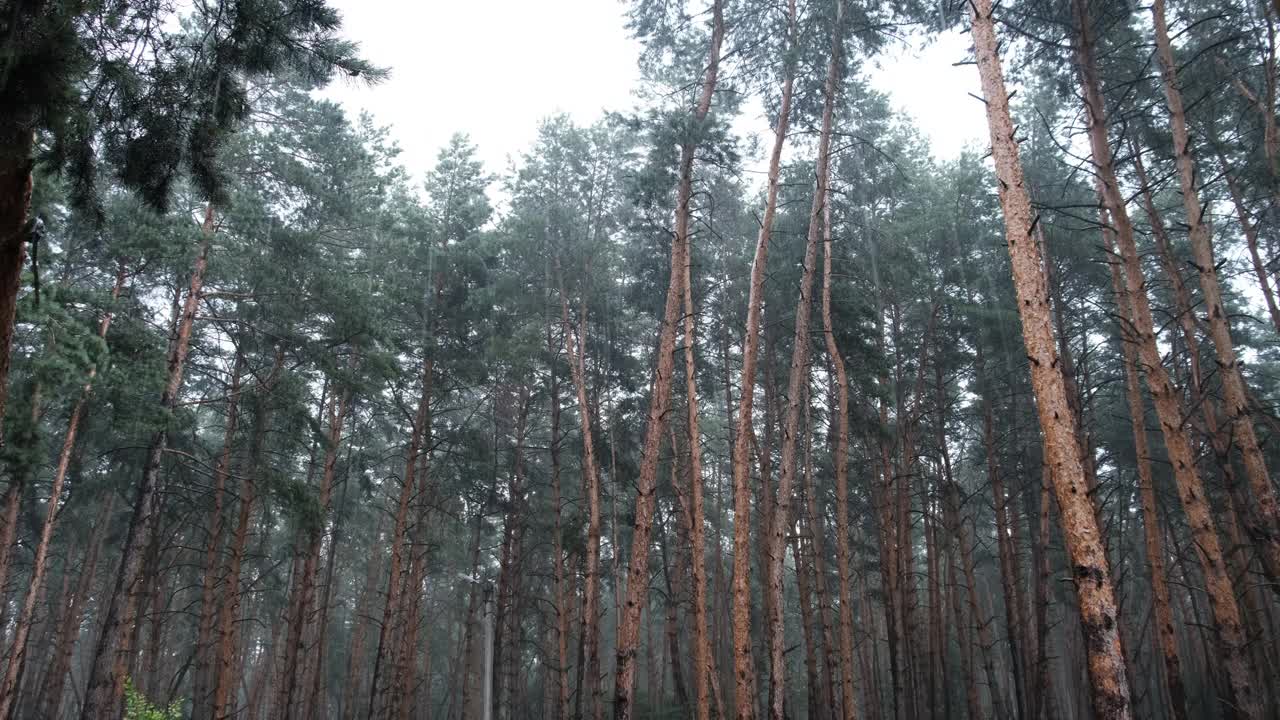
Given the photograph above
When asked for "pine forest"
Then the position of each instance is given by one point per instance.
(736, 401)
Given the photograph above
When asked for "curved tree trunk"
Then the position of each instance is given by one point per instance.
(840, 416)
(743, 660)
(637, 587)
(799, 376)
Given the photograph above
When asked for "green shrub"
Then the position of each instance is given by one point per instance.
(138, 707)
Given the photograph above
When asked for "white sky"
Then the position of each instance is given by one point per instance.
(494, 68)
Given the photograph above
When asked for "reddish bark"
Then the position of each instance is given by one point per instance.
(106, 681)
(799, 377)
(1085, 549)
(637, 586)
(744, 669)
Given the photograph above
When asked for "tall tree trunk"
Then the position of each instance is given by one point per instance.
(812, 518)
(49, 705)
(1090, 571)
(18, 647)
(562, 600)
(427, 498)
(799, 377)
(889, 565)
(203, 677)
(637, 588)
(351, 695)
(1235, 395)
(1010, 577)
(1218, 435)
(383, 693)
(674, 574)
(743, 660)
(227, 673)
(1165, 639)
(1251, 240)
(964, 630)
(977, 616)
(106, 683)
(1045, 703)
(703, 662)
(507, 590)
(576, 340)
(317, 701)
(840, 460)
(1163, 394)
(290, 699)
(804, 578)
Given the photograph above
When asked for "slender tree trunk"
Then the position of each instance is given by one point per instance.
(317, 701)
(889, 566)
(508, 588)
(1251, 240)
(804, 578)
(406, 684)
(49, 705)
(1009, 572)
(977, 615)
(703, 662)
(964, 630)
(840, 418)
(637, 588)
(359, 634)
(463, 664)
(799, 376)
(1165, 397)
(562, 601)
(1218, 435)
(18, 647)
(743, 660)
(812, 518)
(392, 626)
(203, 677)
(106, 684)
(1234, 391)
(674, 574)
(576, 340)
(1046, 703)
(1165, 640)
(227, 673)
(290, 699)
(1088, 559)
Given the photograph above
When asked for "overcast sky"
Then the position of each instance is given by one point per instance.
(494, 68)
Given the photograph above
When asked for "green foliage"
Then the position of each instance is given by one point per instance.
(138, 707)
